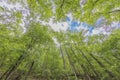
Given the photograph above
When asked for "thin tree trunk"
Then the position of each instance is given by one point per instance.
(29, 70)
(14, 66)
(103, 66)
(71, 63)
(92, 67)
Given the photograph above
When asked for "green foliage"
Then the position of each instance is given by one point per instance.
(84, 10)
(73, 59)
(34, 54)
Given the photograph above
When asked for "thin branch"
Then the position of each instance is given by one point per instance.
(118, 10)
(61, 6)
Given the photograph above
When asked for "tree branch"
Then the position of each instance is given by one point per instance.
(118, 10)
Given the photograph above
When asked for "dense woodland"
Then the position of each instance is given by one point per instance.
(33, 55)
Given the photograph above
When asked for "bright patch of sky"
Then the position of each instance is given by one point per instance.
(72, 25)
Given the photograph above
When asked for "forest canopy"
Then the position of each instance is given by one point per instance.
(30, 50)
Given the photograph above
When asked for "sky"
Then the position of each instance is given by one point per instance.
(73, 25)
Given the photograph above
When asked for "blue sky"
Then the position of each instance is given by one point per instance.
(74, 24)
(99, 27)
